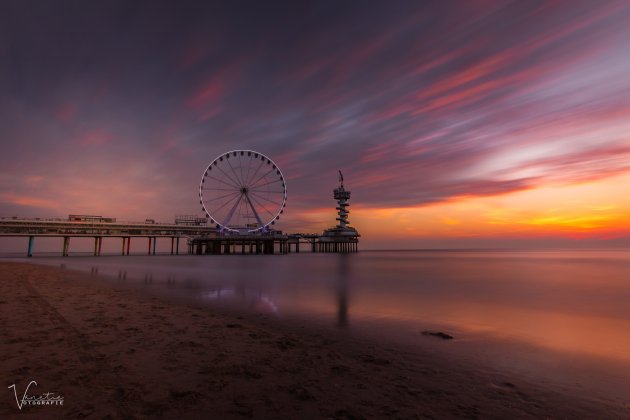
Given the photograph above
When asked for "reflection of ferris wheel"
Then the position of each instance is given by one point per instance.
(243, 191)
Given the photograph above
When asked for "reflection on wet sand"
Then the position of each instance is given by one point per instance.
(574, 302)
(242, 297)
(342, 290)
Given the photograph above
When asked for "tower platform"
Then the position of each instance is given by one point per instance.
(341, 238)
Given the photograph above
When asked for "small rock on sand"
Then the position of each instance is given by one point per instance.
(439, 334)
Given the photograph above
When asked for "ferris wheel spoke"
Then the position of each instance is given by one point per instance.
(224, 204)
(261, 205)
(281, 192)
(249, 168)
(267, 183)
(240, 161)
(234, 172)
(231, 213)
(236, 183)
(223, 182)
(255, 173)
(221, 189)
(267, 199)
(261, 177)
(240, 168)
(227, 195)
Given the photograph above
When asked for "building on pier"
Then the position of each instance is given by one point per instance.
(341, 238)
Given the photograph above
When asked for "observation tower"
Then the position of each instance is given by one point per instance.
(341, 238)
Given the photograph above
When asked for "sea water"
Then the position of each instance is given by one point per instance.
(565, 313)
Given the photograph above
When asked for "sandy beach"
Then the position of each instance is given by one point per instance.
(115, 353)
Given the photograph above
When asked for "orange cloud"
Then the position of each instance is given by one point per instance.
(592, 209)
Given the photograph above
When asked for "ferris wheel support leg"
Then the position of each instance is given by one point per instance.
(231, 213)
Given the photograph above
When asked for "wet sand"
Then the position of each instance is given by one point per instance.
(115, 353)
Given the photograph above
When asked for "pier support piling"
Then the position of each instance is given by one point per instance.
(66, 245)
(31, 240)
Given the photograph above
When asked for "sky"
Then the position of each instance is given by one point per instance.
(456, 123)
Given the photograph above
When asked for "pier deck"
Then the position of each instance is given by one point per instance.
(32, 228)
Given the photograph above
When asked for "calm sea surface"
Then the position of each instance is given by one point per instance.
(559, 309)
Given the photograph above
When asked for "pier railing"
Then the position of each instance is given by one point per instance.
(200, 239)
(60, 227)
(67, 229)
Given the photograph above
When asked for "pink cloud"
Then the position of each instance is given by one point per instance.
(66, 112)
(94, 138)
(28, 201)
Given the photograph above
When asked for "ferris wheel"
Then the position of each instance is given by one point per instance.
(242, 191)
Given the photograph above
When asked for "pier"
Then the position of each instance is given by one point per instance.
(242, 230)
(100, 228)
(198, 240)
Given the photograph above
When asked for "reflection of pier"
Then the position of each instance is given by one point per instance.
(342, 291)
(100, 229)
(249, 298)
